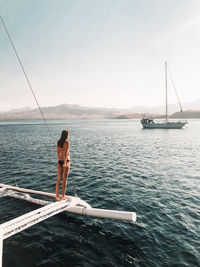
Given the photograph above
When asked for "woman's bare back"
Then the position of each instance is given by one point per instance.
(63, 152)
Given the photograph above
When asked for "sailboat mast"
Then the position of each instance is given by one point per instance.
(166, 113)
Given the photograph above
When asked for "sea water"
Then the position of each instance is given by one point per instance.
(115, 164)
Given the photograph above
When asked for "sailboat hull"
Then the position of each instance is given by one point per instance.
(162, 125)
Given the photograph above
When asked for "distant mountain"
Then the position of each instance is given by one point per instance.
(67, 111)
(189, 114)
(17, 110)
(194, 105)
(62, 111)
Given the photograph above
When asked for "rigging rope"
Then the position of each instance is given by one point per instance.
(27, 79)
(30, 86)
(181, 110)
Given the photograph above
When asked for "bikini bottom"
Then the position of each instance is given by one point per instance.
(61, 162)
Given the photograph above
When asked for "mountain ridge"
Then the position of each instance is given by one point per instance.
(74, 111)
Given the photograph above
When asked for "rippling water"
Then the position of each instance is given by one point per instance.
(115, 164)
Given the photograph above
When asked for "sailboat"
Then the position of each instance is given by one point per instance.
(150, 124)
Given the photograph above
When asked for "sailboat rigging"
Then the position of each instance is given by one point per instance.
(26, 77)
(150, 124)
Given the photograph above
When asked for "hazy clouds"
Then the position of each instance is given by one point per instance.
(99, 53)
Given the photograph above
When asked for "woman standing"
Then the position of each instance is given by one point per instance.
(63, 165)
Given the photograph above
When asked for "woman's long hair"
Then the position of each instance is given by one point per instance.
(62, 139)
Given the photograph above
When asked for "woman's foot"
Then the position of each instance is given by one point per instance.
(58, 198)
(64, 197)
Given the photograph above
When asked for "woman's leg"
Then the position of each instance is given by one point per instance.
(65, 177)
(60, 173)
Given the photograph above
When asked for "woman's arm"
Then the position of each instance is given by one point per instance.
(67, 150)
(58, 152)
(67, 146)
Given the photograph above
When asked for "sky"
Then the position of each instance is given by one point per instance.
(99, 53)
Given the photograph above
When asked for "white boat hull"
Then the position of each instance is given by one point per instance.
(164, 125)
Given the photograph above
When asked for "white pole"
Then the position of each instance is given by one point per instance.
(1, 246)
(102, 213)
(24, 190)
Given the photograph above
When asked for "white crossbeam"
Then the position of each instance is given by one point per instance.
(20, 223)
